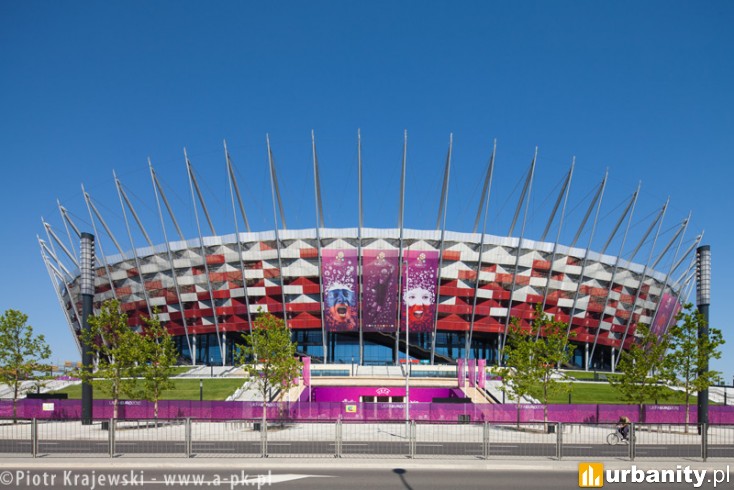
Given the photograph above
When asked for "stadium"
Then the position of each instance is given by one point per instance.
(349, 294)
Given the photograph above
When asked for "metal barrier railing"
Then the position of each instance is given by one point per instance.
(288, 439)
(157, 436)
(16, 437)
(413, 439)
(668, 440)
(240, 438)
(449, 440)
(524, 440)
(375, 439)
(69, 438)
(720, 440)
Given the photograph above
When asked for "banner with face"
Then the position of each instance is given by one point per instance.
(339, 279)
(419, 290)
(380, 295)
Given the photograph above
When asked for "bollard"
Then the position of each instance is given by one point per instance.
(34, 438)
(559, 441)
(411, 440)
(189, 442)
(485, 441)
(111, 437)
(704, 442)
(338, 442)
(264, 441)
(632, 441)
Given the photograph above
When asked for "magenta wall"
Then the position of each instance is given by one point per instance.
(329, 411)
(352, 393)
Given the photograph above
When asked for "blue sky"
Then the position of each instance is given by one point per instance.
(642, 89)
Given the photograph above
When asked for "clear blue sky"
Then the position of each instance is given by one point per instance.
(643, 89)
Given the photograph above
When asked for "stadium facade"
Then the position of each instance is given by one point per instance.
(348, 294)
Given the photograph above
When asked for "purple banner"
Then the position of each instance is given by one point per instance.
(380, 282)
(667, 310)
(306, 371)
(419, 290)
(481, 373)
(472, 372)
(460, 373)
(339, 279)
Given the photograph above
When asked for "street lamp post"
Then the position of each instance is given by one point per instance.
(87, 295)
(201, 390)
(703, 300)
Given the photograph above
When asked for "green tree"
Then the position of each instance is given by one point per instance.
(689, 355)
(160, 358)
(119, 353)
(22, 354)
(269, 357)
(518, 373)
(532, 356)
(645, 367)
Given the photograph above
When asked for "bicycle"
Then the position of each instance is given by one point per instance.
(615, 438)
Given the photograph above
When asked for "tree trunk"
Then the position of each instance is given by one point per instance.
(518, 412)
(545, 405)
(265, 405)
(15, 401)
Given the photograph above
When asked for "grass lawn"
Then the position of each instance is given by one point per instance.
(181, 369)
(175, 371)
(589, 375)
(604, 393)
(184, 389)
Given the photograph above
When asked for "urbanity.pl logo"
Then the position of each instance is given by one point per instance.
(591, 475)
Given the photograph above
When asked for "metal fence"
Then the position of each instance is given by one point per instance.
(347, 439)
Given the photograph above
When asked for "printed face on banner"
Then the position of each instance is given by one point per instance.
(379, 299)
(419, 301)
(339, 273)
(419, 290)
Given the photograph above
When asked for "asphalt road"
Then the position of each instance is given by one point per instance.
(81, 478)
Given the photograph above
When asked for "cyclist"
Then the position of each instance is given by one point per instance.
(623, 427)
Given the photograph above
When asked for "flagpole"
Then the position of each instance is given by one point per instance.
(407, 345)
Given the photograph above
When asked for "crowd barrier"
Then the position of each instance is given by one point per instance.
(242, 438)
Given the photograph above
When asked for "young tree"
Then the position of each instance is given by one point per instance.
(119, 352)
(689, 355)
(645, 368)
(532, 357)
(22, 354)
(269, 357)
(160, 357)
(518, 372)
